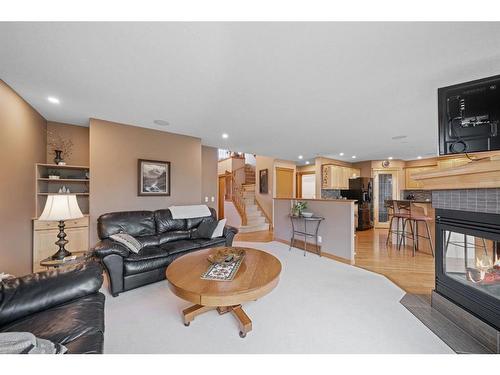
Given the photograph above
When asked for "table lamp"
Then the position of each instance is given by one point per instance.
(61, 207)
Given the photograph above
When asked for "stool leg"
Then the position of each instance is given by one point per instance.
(389, 235)
(402, 234)
(412, 236)
(416, 232)
(430, 238)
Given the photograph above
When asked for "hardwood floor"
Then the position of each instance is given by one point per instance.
(261, 236)
(412, 274)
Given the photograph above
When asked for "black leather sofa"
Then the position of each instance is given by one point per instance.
(63, 306)
(163, 239)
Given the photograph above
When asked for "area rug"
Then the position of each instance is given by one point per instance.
(319, 306)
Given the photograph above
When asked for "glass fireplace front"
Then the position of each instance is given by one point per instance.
(468, 261)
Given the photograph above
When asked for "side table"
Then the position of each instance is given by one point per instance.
(312, 220)
(75, 258)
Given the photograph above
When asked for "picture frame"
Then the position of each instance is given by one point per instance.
(153, 178)
(264, 181)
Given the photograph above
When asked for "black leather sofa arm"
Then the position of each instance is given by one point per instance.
(40, 291)
(229, 232)
(107, 247)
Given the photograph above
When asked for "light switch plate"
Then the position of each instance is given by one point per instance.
(206, 199)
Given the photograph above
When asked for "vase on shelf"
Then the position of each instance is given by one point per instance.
(58, 159)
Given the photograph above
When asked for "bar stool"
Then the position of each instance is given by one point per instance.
(400, 214)
(413, 220)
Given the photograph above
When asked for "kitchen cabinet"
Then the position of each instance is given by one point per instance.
(337, 177)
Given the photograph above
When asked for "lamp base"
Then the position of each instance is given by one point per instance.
(61, 242)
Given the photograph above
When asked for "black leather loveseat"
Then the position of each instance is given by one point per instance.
(163, 240)
(63, 306)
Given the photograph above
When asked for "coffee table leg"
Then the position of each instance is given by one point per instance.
(243, 320)
(193, 311)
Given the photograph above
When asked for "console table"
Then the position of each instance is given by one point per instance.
(314, 220)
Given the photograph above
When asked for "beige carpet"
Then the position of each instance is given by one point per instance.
(319, 306)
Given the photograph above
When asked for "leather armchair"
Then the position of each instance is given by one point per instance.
(163, 239)
(62, 305)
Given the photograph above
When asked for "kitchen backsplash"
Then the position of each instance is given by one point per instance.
(420, 195)
(330, 194)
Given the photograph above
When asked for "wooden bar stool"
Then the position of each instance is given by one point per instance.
(413, 220)
(395, 213)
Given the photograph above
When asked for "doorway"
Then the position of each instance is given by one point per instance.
(306, 185)
(284, 182)
(221, 196)
(385, 187)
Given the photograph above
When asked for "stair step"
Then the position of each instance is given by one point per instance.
(253, 228)
(256, 220)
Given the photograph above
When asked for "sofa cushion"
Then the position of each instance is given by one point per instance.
(179, 246)
(92, 343)
(149, 240)
(146, 253)
(165, 223)
(212, 242)
(65, 323)
(135, 223)
(173, 236)
(205, 229)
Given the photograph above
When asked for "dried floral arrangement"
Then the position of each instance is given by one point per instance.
(56, 142)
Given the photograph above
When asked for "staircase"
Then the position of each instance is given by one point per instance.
(252, 218)
(256, 220)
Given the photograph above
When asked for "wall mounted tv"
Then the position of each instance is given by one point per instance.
(469, 115)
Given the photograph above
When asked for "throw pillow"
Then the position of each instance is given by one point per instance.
(219, 230)
(128, 241)
(205, 229)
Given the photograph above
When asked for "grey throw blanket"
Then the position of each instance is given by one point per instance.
(27, 343)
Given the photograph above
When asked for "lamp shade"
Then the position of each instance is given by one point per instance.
(61, 207)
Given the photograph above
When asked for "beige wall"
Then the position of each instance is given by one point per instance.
(365, 168)
(80, 137)
(22, 131)
(114, 150)
(265, 200)
(209, 177)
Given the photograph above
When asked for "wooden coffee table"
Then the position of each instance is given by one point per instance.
(258, 275)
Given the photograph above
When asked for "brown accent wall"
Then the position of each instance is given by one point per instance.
(80, 137)
(114, 151)
(209, 178)
(22, 131)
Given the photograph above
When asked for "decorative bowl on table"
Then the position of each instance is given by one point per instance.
(307, 214)
(226, 255)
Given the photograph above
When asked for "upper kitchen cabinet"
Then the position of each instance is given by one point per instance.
(337, 176)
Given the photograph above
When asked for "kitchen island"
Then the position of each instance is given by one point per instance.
(336, 231)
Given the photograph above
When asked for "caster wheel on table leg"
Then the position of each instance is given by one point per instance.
(187, 324)
(243, 335)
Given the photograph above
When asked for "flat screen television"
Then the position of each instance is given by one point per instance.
(469, 114)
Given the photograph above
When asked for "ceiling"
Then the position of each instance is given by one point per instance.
(277, 89)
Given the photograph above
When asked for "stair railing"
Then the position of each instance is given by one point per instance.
(237, 181)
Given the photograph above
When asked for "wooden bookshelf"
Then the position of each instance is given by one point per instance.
(74, 177)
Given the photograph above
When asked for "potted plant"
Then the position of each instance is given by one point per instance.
(298, 208)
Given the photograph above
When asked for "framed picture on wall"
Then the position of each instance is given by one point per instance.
(153, 177)
(263, 181)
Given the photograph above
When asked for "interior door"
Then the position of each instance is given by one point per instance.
(221, 196)
(284, 182)
(385, 187)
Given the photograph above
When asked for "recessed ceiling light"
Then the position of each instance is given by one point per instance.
(300, 157)
(225, 135)
(399, 137)
(390, 158)
(161, 122)
(53, 100)
(341, 154)
(354, 156)
(419, 157)
(307, 162)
